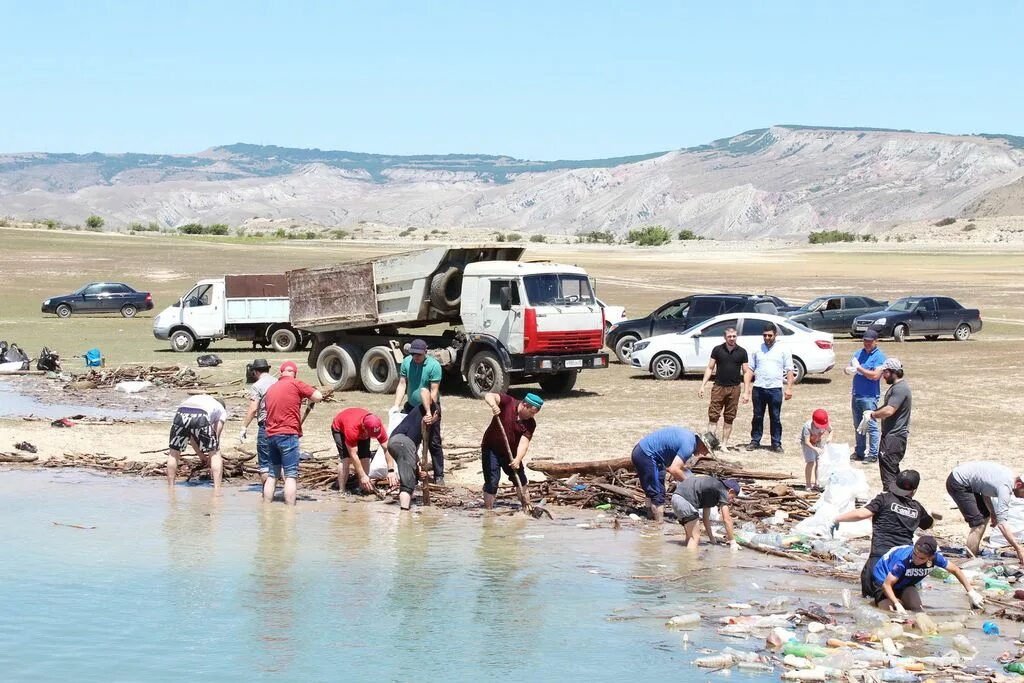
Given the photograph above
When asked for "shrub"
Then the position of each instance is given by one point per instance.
(597, 236)
(191, 229)
(969, 227)
(280, 233)
(5, 222)
(868, 238)
(407, 232)
(51, 224)
(499, 237)
(538, 238)
(311, 235)
(339, 234)
(513, 237)
(686, 234)
(217, 229)
(945, 222)
(94, 223)
(827, 236)
(649, 236)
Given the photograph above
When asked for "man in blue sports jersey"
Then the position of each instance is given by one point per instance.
(898, 572)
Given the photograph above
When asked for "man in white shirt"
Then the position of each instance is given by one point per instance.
(770, 366)
(200, 420)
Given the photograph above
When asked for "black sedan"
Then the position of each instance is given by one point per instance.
(924, 316)
(100, 297)
(835, 312)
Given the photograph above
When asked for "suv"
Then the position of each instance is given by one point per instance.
(680, 315)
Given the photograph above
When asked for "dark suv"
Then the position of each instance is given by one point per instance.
(100, 297)
(682, 314)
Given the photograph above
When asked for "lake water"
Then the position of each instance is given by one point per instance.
(190, 586)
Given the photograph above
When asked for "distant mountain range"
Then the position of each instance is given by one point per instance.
(779, 181)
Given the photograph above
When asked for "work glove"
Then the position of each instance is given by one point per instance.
(900, 609)
(733, 545)
(976, 598)
(243, 435)
(865, 418)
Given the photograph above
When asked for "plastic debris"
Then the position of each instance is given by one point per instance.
(990, 628)
(964, 645)
(716, 662)
(799, 649)
(690, 619)
(925, 624)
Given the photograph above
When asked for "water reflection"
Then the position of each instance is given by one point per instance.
(273, 594)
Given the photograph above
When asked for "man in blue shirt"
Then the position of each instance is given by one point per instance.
(668, 449)
(898, 572)
(420, 371)
(866, 368)
(770, 366)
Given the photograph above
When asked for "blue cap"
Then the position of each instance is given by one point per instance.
(534, 400)
(732, 485)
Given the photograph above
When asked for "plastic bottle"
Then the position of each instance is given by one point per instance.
(770, 540)
(990, 628)
(939, 573)
(996, 583)
(963, 645)
(868, 617)
(847, 598)
(951, 626)
(1014, 668)
(898, 676)
(925, 624)
(890, 630)
(684, 620)
(799, 649)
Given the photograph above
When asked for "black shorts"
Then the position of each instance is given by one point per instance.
(362, 447)
(971, 505)
(191, 424)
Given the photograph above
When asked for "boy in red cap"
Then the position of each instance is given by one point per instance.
(284, 427)
(816, 433)
(352, 430)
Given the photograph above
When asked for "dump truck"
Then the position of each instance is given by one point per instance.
(489, 318)
(243, 307)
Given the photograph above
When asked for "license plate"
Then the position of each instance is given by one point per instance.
(574, 363)
(861, 328)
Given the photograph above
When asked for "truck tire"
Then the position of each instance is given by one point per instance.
(335, 367)
(485, 375)
(378, 370)
(446, 289)
(284, 340)
(559, 383)
(182, 341)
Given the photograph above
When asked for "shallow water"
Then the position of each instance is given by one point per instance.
(15, 404)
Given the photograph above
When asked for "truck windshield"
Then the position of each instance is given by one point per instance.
(558, 289)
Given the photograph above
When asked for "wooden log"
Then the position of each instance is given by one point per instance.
(620, 491)
(560, 470)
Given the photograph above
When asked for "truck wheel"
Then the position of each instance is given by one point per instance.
(336, 368)
(962, 332)
(559, 383)
(378, 370)
(128, 311)
(899, 333)
(486, 375)
(446, 289)
(624, 347)
(182, 341)
(284, 340)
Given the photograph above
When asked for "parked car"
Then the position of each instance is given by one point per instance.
(669, 356)
(612, 314)
(679, 315)
(780, 305)
(835, 312)
(927, 316)
(100, 297)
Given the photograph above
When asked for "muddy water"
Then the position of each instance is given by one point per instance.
(15, 403)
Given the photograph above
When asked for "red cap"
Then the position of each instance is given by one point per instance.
(289, 365)
(372, 424)
(820, 418)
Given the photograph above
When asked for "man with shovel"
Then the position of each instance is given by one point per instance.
(404, 443)
(507, 440)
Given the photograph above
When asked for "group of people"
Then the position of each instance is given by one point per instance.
(276, 404)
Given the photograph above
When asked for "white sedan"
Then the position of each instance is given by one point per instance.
(668, 356)
(612, 314)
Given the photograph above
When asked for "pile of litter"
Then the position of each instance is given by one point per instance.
(168, 376)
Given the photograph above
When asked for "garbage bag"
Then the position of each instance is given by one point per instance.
(209, 360)
(48, 361)
(379, 464)
(843, 485)
(13, 354)
(132, 387)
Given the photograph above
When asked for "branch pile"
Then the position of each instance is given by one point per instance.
(168, 376)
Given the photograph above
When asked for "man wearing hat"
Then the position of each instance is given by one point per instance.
(667, 449)
(507, 440)
(982, 490)
(420, 371)
(284, 427)
(703, 492)
(897, 573)
(257, 409)
(895, 516)
(866, 368)
(352, 430)
(895, 417)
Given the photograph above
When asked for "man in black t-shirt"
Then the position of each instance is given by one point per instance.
(895, 516)
(728, 363)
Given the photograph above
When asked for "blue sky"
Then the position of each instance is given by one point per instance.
(540, 80)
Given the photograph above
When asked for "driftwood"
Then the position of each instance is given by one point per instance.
(18, 457)
(719, 468)
(171, 375)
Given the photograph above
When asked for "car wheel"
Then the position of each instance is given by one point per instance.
(624, 348)
(666, 366)
(931, 337)
(182, 341)
(962, 332)
(899, 333)
(63, 311)
(128, 311)
(800, 370)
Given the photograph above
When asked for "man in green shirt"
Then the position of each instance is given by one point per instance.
(420, 371)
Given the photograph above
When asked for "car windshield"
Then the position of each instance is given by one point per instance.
(558, 289)
(903, 305)
(814, 305)
(81, 290)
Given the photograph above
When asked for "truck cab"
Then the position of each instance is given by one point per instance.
(195, 319)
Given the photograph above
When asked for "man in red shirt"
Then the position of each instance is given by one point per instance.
(352, 430)
(498, 454)
(283, 425)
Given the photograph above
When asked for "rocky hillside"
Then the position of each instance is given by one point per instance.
(780, 181)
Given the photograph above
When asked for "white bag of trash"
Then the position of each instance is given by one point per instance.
(843, 485)
(379, 464)
(132, 387)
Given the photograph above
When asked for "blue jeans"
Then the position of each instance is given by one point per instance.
(263, 450)
(284, 455)
(870, 440)
(772, 400)
(650, 473)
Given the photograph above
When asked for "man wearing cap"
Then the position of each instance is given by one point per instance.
(816, 433)
(895, 417)
(771, 365)
(895, 516)
(257, 409)
(199, 420)
(667, 449)
(352, 429)
(728, 363)
(284, 427)
(703, 492)
(507, 440)
(866, 368)
(896, 575)
(420, 371)
(404, 445)
(982, 490)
